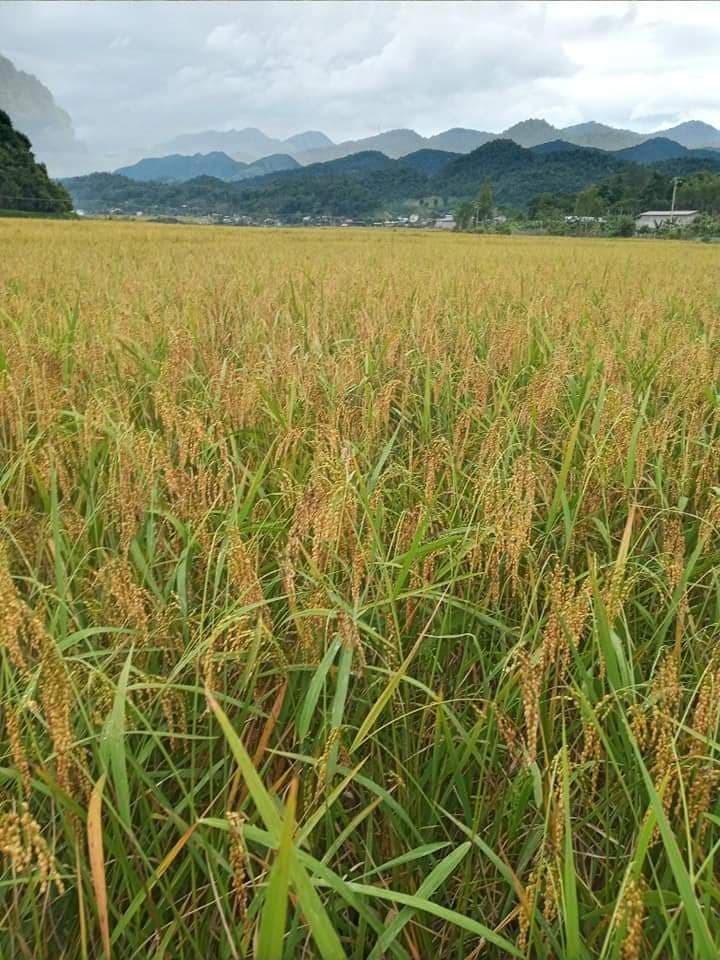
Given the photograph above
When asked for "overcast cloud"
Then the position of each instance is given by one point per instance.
(137, 73)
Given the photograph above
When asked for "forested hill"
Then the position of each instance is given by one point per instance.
(178, 167)
(517, 174)
(24, 183)
(370, 183)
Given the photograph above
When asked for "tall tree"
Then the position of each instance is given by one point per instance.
(485, 203)
(589, 203)
(463, 214)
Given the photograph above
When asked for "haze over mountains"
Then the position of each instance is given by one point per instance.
(34, 112)
(316, 147)
(25, 184)
(249, 174)
(234, 154)
(246, 145)
(179, 167)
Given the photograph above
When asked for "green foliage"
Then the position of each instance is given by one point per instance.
(463, 214)
(430, 162)
(635, 189)
(589, 203)
(548, 184)
(622, 226)
(485, 203)
(551, 206)
(628, 193)
(24, 184)
(701, 192)
(518, 174)
(355, 186)
(707, 162)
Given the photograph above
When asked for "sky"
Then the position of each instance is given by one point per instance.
(138, 73)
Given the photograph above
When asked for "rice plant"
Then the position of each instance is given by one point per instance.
(359, 595)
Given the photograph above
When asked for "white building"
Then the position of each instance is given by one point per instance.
(445, 223)
(654, 219)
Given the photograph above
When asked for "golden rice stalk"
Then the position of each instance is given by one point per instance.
(633, 915)
(56, 697)
(324, 762)
(527, 906)
(13, 728)
(243, 573)
(569, 610)
(237, 855)
(130, 602)
(22, 843)
(530, 678)
(11, 616)
(665, 695)
(510, 734)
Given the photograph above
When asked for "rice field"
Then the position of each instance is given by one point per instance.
(359, 595)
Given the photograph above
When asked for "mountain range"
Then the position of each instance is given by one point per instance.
(370, 184)
(314, 147)
(246, 145)
(178, 167)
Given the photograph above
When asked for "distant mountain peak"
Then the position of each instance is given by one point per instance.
(695, 125)
(600, 135)
(556, 146)
(456, 130)
(459, 139)
(249, 145)
(179, 168)
(529, 133)
(532, 123)
(34, 112)
(693, 134)
(310, 140)
(588, 125)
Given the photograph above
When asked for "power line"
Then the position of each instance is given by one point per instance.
(4, 196)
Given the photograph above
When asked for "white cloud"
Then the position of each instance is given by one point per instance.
(135, 74)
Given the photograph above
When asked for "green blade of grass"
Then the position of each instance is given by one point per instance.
(326, 940)
(274, 913)
(434, 879)
(113, 744)
(392, 685)
(570, 900)
(444, 913)
(314, 690)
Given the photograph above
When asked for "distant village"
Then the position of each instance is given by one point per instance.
(649, 221)
(439, 221)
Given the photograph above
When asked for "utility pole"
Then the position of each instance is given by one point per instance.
(676, 181)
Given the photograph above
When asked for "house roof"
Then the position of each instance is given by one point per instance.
(666, 213)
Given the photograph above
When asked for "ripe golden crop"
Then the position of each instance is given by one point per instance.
(434, 519)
